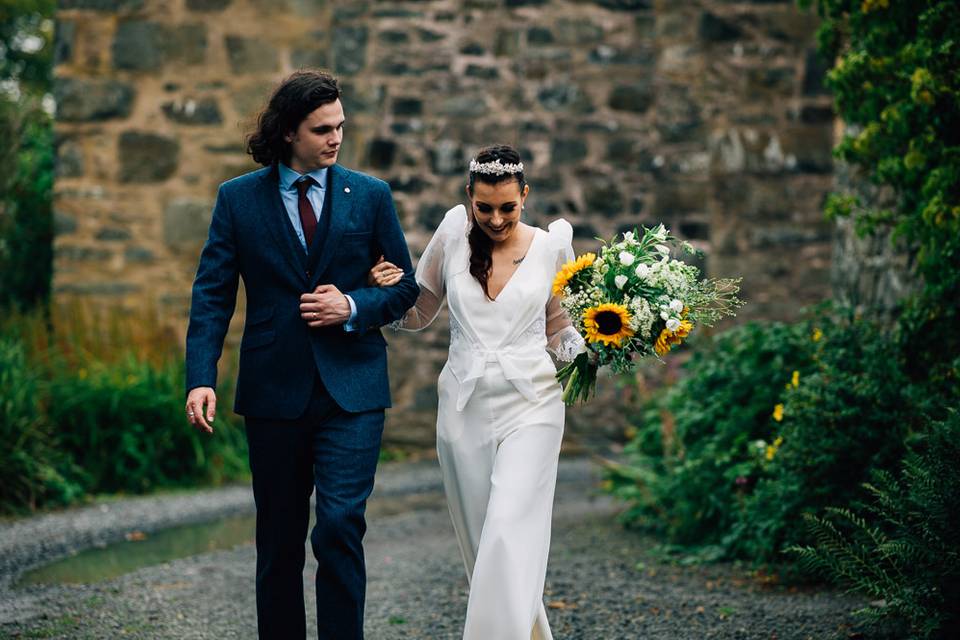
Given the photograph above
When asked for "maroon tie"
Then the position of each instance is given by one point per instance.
(308, 219)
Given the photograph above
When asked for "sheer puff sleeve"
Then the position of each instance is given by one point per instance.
(431, 272)
(563, 340)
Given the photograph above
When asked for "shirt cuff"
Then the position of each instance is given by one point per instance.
(349, 326)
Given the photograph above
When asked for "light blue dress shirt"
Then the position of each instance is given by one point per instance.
(315, 194)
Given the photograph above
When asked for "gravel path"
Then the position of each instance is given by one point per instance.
(602, 583)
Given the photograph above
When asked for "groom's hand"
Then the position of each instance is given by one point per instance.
(324, 307)
(198, 399)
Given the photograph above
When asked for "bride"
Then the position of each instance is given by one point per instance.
(500, 415)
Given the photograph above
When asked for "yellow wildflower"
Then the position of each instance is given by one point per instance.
(817, 334)
(795, 380)
(771, 451)
(778, 442)
(571, 269)
(778, 412)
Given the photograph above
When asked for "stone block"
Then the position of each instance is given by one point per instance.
(640, 54)
(138, 255)
(111, 6)
(146, 157)
(361, 98)
(814, 74)
(309, 57)
(678, 115)
(431, 215)
(484, 73)
(624, 5)
(200, 111)
(186, 222)
(636, 97)
(407, 106)
(713, 28)
(207, 5)
(473, 49)
(63, 223)
(568, 150)
(64, 34)
(112, 234)
(565, 97)
(429, 35)
(251, 55)
(539, 36)
(602, 196)
(249, 98)
(393, 36)
(578, 33)
(381, 153)
(349, 49)
(138, 46)
(81, 100)
(69, 159)
(447, 158)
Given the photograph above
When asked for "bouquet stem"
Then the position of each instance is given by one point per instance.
(579, 379)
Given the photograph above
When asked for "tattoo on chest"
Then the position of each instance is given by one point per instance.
(519, 260)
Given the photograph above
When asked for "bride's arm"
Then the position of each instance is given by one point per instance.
(563, 339)
(430, 278)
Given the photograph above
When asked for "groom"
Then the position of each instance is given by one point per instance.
(303, 233)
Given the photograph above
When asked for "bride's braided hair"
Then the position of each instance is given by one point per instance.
(481, 246)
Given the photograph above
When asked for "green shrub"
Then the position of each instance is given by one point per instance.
(902, 549)
(772, 421)
(846, 416)
(124, 425)
(95, 404)
(686, 466)
(31, 469)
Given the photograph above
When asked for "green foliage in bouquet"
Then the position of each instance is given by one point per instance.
(895, 81)
(902, 549)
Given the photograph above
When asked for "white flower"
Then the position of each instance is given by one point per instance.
(626, 258)
(660, 233)
(676, 306)
(643, 270)
(628, 237)
(620, 281)
(673, 324)
(664, 315)
(663, 249)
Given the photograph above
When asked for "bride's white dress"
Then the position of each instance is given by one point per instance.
(499, 420)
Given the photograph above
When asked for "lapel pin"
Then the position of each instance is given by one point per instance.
(346, 189)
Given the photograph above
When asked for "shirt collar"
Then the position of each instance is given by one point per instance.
(288, 176)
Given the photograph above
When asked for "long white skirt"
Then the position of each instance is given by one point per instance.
(499, 461)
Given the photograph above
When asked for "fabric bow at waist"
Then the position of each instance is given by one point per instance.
(469, 364)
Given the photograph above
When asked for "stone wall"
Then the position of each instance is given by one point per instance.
(708, 115)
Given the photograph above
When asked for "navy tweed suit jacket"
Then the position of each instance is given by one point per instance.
(251, 237)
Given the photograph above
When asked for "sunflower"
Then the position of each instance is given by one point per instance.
(570, 269)
(667, 338)
(607, 323)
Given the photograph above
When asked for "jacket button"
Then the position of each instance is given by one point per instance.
(307, 273)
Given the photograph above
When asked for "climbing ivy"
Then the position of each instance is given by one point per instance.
(896, 81)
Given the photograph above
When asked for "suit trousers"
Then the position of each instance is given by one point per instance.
(334, 453)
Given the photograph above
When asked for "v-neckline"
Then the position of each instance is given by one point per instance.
(536, 234)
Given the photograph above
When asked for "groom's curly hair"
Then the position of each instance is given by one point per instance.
(481, 246)
(293, 100)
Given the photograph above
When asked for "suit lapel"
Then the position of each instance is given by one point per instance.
(278, 222)
(340, 208)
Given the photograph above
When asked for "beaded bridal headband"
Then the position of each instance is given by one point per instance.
(495, 168)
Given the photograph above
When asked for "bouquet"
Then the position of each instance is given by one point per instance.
(633, 301)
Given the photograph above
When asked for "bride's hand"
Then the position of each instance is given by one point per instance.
(384, 274)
